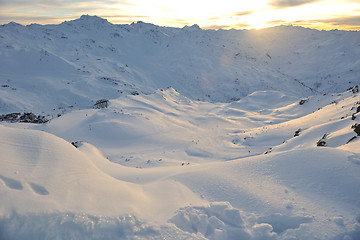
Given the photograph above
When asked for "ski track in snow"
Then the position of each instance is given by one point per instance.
(260, 139)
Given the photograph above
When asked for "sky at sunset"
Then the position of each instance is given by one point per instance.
(226, 14)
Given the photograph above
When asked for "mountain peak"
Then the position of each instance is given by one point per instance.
(13, 24)
(91, 20)
(141, 24)
(87, 17)
(193, 27)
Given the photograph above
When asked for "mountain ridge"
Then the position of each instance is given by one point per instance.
(146, 132)
(206, 65)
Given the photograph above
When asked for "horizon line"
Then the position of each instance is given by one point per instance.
(214, 28)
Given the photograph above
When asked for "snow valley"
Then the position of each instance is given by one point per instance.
(145, 132)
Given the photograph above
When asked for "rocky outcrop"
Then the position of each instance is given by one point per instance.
(25, 117)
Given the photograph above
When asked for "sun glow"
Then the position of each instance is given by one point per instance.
(238, 14)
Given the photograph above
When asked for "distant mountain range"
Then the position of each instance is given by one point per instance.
(75, 63)
(146, 132)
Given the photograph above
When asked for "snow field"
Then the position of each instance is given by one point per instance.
(208, 134)
(286, 193)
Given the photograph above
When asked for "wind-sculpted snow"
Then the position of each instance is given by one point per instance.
(74, 226)
(167, 133)
(188, 169)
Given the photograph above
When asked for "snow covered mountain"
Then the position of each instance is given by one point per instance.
(238, 134)
(89, 58)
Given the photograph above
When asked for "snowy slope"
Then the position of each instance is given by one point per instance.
(89, 58)
(230, 151)
(188, 169)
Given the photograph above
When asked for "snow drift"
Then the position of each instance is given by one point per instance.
(207, 134)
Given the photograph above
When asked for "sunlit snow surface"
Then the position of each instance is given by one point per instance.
(204, 161)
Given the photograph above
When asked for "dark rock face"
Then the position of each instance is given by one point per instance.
(297, 132)
(356, 128)
(322, 142)
(25, 117)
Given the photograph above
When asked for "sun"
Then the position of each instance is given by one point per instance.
(258, 20)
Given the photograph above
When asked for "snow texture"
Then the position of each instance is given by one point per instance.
(146, 132)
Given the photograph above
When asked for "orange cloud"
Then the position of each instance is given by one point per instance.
(344, 23)
(238, 14)
(290, 3)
